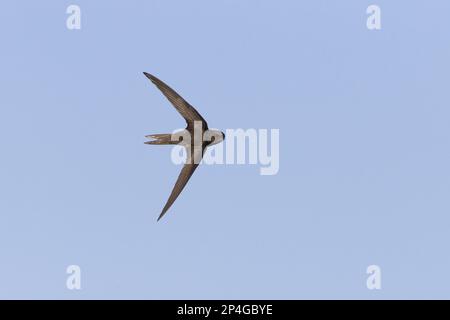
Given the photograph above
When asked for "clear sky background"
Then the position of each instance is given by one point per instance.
(364, 149)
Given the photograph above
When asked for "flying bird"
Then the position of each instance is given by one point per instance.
(193, 138)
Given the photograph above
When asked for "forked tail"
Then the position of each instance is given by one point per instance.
(164, 138)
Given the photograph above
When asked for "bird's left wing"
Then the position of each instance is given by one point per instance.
(183, 178)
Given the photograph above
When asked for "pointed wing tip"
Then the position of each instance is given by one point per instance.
(163, 212)
(148, 75)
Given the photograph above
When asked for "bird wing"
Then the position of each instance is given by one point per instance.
(187, 111)
(185, 174)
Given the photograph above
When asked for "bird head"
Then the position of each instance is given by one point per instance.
(216, 136)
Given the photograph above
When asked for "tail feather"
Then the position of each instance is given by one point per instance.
(161, 139)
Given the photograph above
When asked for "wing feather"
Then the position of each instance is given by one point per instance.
(183, 178)
(187, 111)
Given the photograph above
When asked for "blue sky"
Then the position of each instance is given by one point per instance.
(364, 150)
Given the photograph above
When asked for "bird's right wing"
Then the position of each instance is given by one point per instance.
(184, 108)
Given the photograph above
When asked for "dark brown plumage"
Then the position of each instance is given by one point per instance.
(195, 152)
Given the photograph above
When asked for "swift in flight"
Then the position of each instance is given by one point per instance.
(192, 138)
